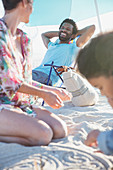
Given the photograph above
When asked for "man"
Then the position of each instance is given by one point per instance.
(63, 51)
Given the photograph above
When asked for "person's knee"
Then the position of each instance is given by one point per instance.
(46, 136)
(43, 138)
(60, 130)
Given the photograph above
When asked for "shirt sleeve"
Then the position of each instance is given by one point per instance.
(50, 44)
(105, 142)
(10, 80)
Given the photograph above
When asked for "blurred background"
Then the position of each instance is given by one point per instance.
(48, 14)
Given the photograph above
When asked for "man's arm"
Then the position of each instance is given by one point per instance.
(85, 35)
(47, 36)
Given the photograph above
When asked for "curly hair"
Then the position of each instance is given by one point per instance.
(70, 21)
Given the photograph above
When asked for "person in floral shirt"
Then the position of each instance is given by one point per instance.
(20, 120)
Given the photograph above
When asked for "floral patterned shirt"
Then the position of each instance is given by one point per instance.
(14, 70)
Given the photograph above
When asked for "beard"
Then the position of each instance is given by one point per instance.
(65, 38)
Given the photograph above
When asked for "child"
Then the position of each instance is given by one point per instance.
(95, 62)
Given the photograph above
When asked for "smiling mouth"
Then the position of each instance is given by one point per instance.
(63, 34)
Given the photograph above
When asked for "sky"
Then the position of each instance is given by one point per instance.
(52, 12)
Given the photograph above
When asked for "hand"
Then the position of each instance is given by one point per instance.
(92, 138)
(62, 69)
(63, 94)
(98, 151)
(53, 100)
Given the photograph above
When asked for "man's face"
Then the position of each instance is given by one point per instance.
(65, 32)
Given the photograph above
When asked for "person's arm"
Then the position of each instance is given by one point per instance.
(63, 94)
(104, 140)
(92, 138)
(47, 36)
(51, 98)
(51, 95)
(85, 34)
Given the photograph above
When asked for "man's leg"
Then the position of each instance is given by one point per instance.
(40, 77)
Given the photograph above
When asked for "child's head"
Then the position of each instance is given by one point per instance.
(95, 62)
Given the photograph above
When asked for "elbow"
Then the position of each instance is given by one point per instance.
(79, 44)
(85, 36)
(42, 35)
(92, 29)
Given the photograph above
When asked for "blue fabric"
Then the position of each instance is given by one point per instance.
(105, 142)
(61, 54)
(41, 77)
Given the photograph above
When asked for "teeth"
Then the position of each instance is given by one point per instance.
(63, 34)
